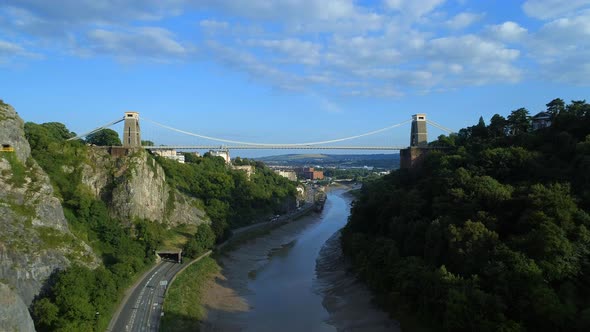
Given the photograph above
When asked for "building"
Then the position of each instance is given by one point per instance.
(169, 154)
(541, 120)
(246, 168)
(310, 173)
(221, 153)
(289, 174)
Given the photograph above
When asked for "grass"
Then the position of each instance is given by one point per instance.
(18, 169)
(182, 309)
(178, 236)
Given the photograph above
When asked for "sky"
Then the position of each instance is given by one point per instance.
(289, 71)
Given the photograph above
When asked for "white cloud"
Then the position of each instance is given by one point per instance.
(413, 8)
(463, 20)
(301, 15)
(562, 48)
(10, 50)
(344, 46)
(547, 9)
(470, 48)
(293, 50)
(214, 24)
(477, 60)
(139, 43)
(508, 32)
(96, 11)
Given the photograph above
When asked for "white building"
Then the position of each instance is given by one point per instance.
(169, 154)
(222, 153)
(291, 175)
(246, 168)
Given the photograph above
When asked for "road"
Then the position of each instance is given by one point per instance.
(143, 308)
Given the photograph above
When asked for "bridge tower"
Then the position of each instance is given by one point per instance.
(412, 156)
(131, 132)
(418, 135)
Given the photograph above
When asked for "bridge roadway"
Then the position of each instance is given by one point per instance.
(141, 311)
(273, 147)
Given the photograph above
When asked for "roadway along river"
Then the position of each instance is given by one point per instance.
(293, 279)
(142, 310)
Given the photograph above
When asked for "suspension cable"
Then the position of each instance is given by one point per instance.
(97, 129)
(273, 144)
(439, 126)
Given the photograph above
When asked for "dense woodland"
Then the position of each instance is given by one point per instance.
(490, 234)
(81, 299)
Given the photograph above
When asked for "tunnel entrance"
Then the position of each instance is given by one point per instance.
(170, 255)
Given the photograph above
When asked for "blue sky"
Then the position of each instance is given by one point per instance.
(289, 71)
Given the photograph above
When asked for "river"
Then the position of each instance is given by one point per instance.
(293, 279)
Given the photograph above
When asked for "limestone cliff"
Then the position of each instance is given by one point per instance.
(134, 186)
(14, 315)
(34, 236)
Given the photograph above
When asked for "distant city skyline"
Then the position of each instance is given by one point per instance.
(289, 71)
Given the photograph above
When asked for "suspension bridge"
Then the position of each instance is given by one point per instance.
(132, 137)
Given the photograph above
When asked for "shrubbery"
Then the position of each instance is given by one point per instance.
(231, 199)
(81, 299)
(492, 234)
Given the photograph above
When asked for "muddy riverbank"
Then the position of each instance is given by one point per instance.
(292, 280)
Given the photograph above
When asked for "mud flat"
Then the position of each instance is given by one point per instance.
(272, 283)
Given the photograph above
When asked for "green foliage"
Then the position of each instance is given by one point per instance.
(147, 143)
(104, 137)
(182, 305)
(356, 174)
(203, 240)
(78, 294)
(491, 235)
(18, 170)
(230, 198)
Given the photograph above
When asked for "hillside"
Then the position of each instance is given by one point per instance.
(35, 238)
(80, 223)
(491, 235)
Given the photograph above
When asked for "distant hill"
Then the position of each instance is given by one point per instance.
(385, 161)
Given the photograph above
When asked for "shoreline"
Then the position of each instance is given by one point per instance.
(347, 302)
(224, 299)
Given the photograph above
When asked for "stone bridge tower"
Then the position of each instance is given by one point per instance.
(131, 132)
(412, 157)
(418, 136)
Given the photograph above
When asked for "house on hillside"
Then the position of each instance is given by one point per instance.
(541, 120)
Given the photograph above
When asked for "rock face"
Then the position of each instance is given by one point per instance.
(134, 186)
(34, 236)
(14, 315)
(11, 132)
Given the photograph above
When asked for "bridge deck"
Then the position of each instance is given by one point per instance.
(273, 147)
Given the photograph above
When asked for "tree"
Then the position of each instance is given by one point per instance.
(519, 121)
(497, 126)
(555, 107)
(104, 137)
(480, 129)
(45, 314)
(579, 108)
(147, 143)
(204, 239)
